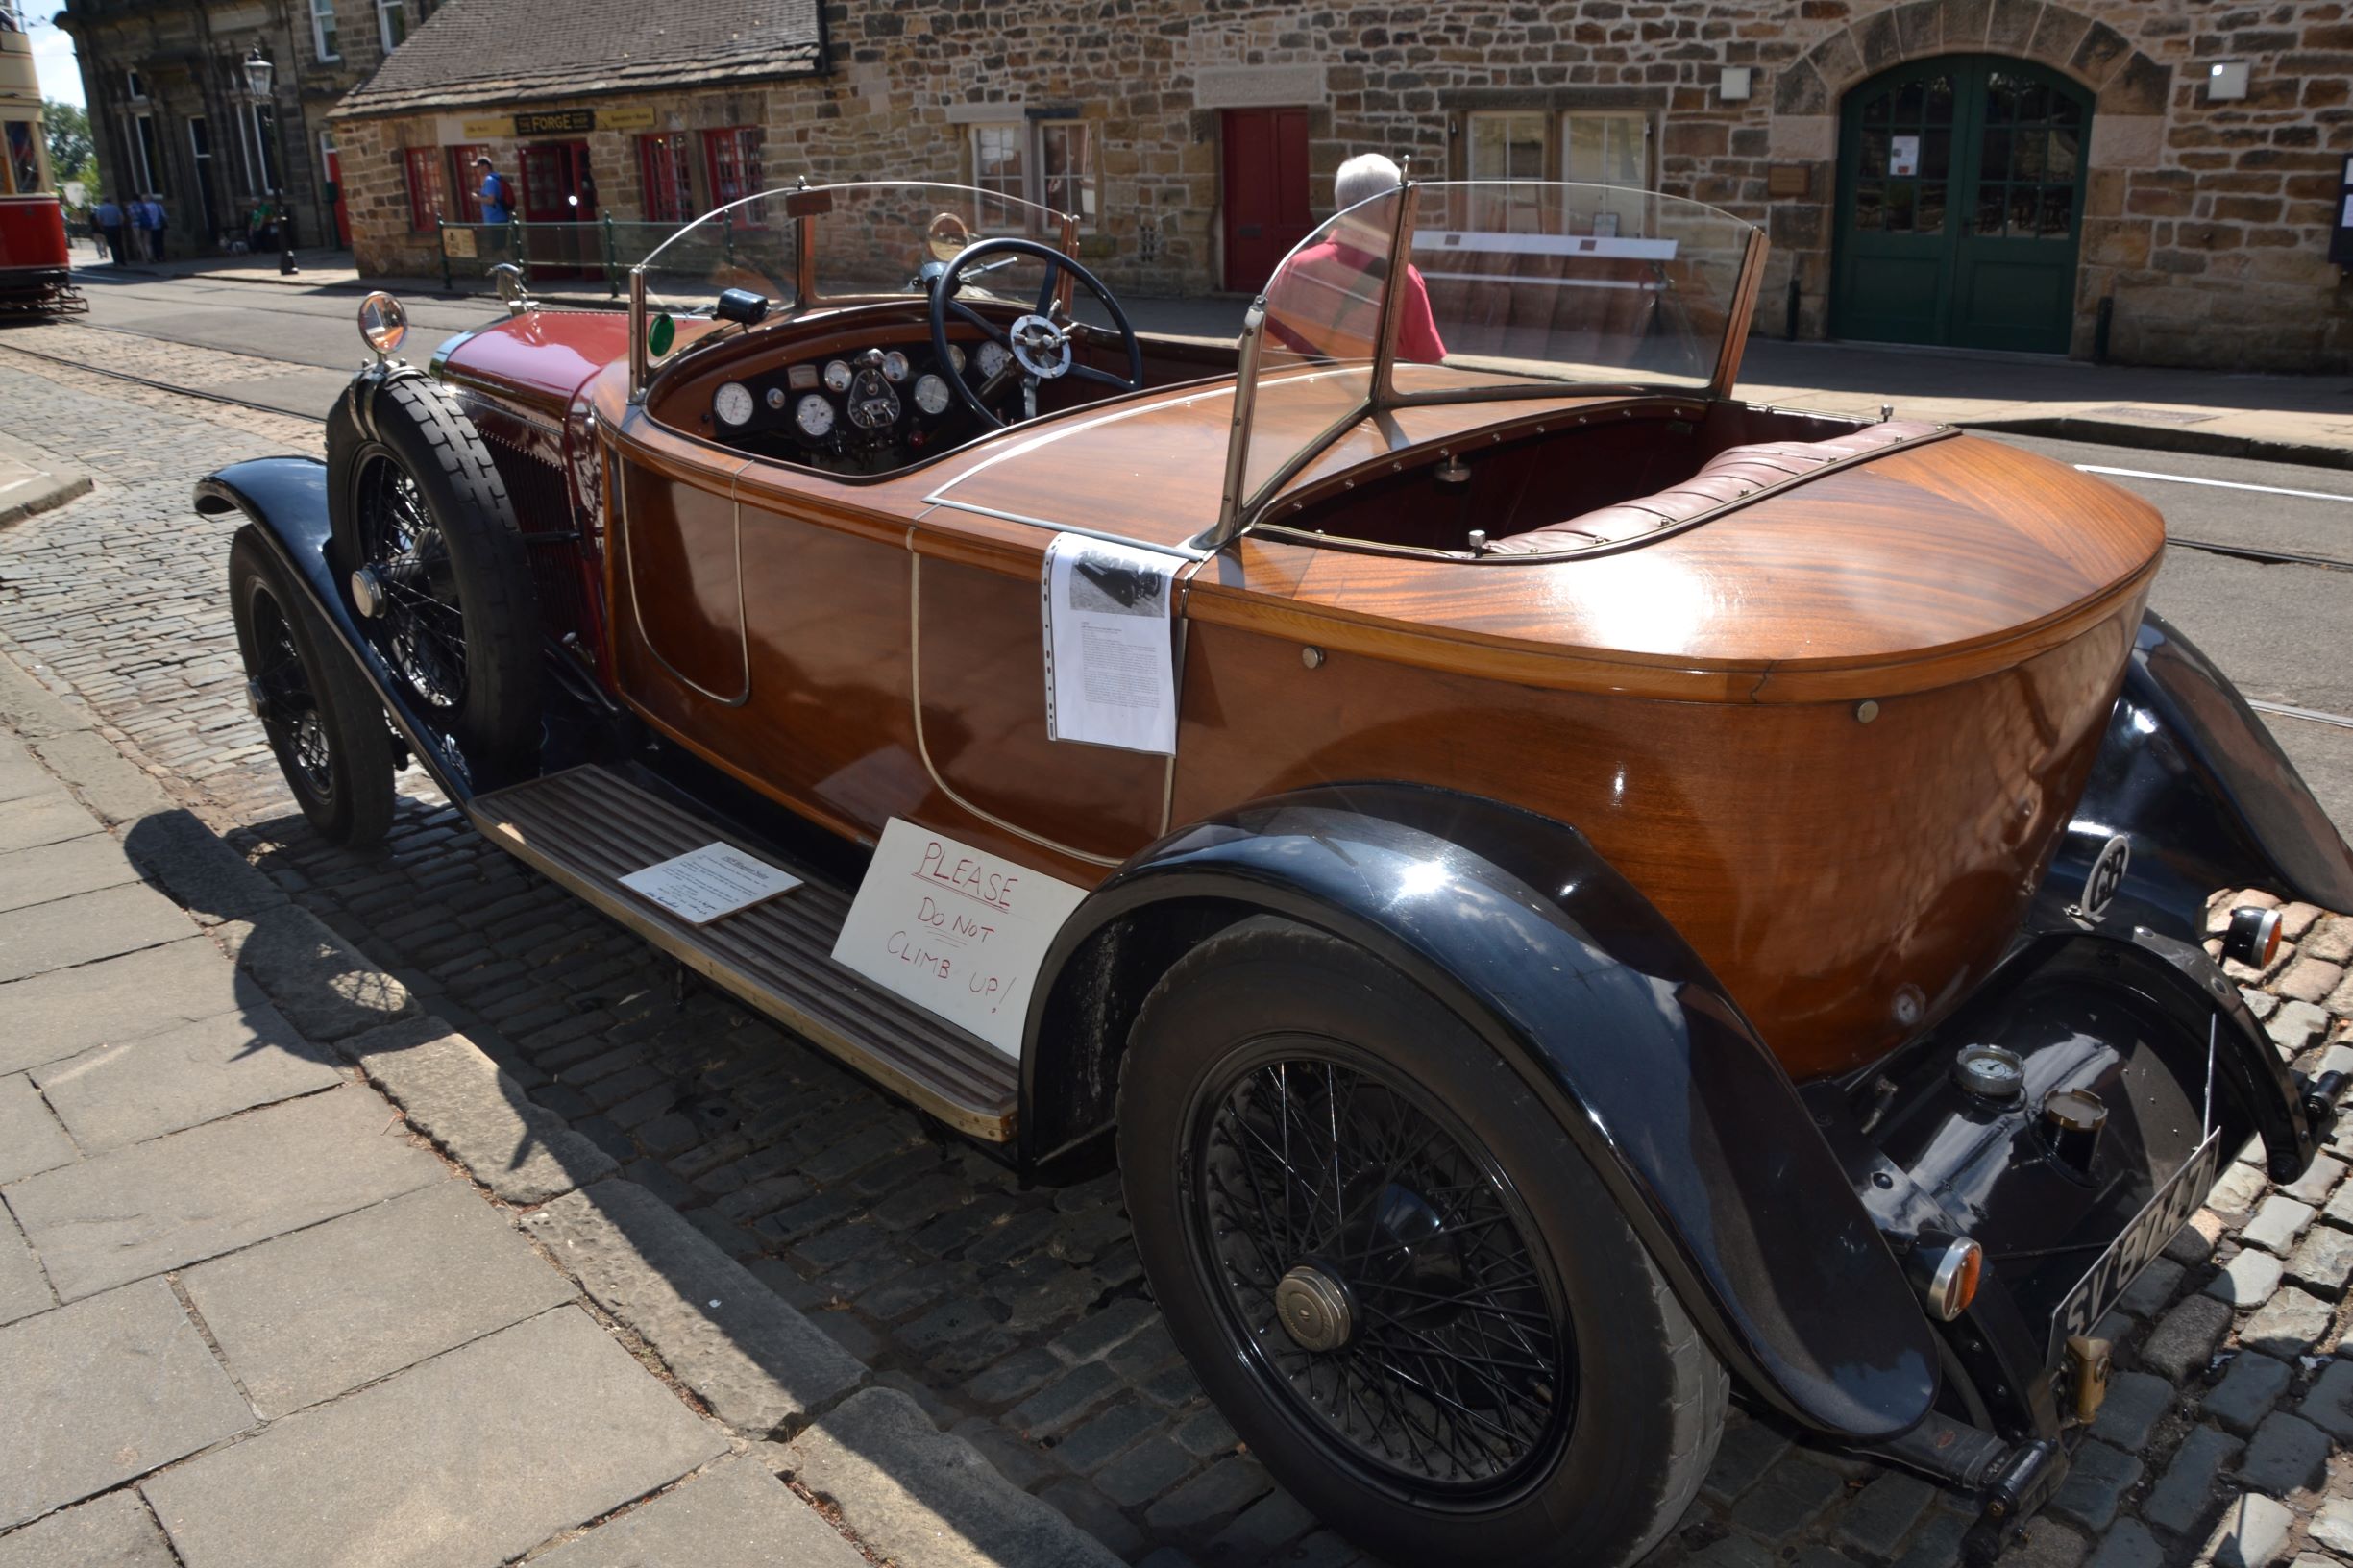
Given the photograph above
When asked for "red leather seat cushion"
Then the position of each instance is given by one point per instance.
(1735, 472)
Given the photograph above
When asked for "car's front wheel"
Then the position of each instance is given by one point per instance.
(325, 725)
(1393, 1270)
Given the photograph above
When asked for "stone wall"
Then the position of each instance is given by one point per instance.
(188, 60)
(2206, 223)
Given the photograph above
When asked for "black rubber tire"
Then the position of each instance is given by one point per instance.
(420, 427)
(354, 807)
(1651, 1395)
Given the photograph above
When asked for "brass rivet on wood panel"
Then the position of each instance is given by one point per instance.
(1866, 711)
(1311, 657)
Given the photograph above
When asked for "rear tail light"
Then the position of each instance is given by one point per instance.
(1946, 1271)
(2253, 936)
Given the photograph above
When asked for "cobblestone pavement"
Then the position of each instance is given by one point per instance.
(1017, 1317)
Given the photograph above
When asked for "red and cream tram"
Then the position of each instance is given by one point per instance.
(34, 269)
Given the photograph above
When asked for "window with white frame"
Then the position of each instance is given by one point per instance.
(147, 155)
(135, 86)
(258, 124)
(1607, 148)
(1505, 146)
(392, 22)
(323, 29)
(1054, 163)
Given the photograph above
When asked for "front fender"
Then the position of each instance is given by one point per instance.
(1516, 923)
(286, 500)
(2204, 795)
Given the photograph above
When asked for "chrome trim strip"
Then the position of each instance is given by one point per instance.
(1188, 552)
(914, 686)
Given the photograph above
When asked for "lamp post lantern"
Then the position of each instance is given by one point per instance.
(257, 73)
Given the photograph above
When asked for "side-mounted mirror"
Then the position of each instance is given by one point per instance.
(508, 278)
(742, 306)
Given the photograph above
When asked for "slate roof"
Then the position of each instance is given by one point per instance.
(478, 51)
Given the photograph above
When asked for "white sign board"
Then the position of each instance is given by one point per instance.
(705, 884)
(1903, 155)
(1110, 656)
(957, 931)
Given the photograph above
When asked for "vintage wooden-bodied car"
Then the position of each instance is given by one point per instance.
(1567, 891)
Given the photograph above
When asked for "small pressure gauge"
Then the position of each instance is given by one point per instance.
(895, 366)
(955, 358)
(732, 403)
(775, 399)
(1989, 1072)
(837, 375)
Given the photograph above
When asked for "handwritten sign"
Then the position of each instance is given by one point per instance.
(957, 931)
(705, 884)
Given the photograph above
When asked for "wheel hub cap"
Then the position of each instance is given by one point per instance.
(367, 593)
(1313, 1309)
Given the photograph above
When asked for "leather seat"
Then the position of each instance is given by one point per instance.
(1729, 476)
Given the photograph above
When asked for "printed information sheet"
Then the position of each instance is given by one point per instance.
(954, 929)
(1110, 657)
(705, 884)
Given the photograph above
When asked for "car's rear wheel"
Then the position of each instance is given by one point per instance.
(1394, 1271)
(438, 573)
(325, 724)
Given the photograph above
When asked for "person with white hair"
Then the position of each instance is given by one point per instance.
(1325, 301)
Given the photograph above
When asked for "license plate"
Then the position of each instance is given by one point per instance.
(2141, 1241)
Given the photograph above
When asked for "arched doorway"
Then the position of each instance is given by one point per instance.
(1960, 203)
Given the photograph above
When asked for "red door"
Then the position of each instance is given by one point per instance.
(343, 207)
(557, 190)
(1267, 195)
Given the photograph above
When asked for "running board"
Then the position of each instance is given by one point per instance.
(587, 828)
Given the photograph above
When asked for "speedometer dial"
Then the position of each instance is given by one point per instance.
(992, 357)
(931, 394)
(813, 416)
(895, 366)
(837, 375)
(732, 403)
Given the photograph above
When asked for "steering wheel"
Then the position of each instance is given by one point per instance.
(1040, 346)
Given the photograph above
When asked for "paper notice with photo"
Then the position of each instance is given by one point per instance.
(705, 884)
(1110, 655)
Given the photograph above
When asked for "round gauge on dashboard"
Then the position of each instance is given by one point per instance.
(992, 357)
(776, 398)
(815, 417)
(837, 375)
(931, 394)
(955, 358)
(895, 366)
(733, 405)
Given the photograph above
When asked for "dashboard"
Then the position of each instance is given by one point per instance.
(864, 410)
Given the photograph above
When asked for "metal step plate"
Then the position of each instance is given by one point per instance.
(587, 828)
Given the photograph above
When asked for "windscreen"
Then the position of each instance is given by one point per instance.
(1316, 346)
(1520, 281)
(863, 240)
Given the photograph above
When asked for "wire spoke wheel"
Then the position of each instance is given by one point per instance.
(1379, 1274)
(291, 717)
(421, 626)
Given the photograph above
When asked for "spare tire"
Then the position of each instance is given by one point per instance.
(427, 550)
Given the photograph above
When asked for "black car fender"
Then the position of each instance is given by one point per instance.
(2203, 796)
(285, 498)
(1519, 925)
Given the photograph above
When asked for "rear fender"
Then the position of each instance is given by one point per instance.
(2205, 797)
(285, 498)
(1517, 924)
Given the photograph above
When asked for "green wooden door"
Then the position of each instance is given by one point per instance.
(1960, 200)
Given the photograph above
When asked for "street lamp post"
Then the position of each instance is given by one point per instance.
(257, 73)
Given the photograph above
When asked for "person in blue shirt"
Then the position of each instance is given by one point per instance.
(498, 204)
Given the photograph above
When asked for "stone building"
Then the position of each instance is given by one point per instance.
(172, 115)
(1977, 173)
